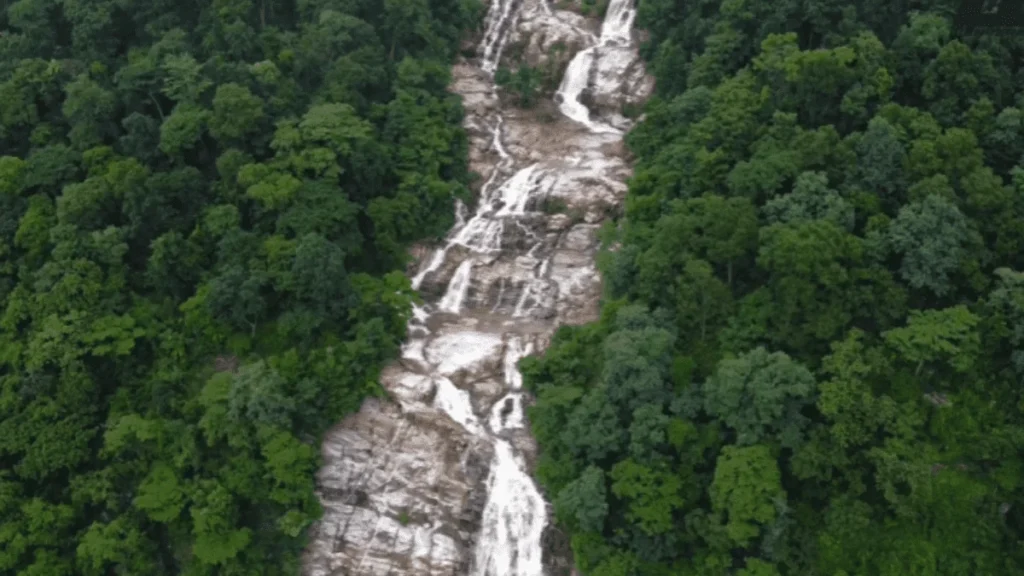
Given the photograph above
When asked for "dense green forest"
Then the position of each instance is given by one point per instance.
(204, 209)
(810, 360)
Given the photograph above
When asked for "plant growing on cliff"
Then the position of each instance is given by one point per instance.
(555, 67)
(591, 8)
(553, 205)
(523, 84)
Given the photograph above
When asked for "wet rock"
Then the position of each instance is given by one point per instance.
(619, 79)
(557, 552)
(463, 353)
(436, 282)
(551, 39)
(485, 393)
(367, 485)
(580, 238)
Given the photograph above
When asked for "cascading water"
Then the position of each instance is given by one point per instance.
(438, 483)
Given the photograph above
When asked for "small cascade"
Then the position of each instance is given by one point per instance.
(514, 352)
(513, 521)
(577, 76)
(456, 404)
(460, 214)
(500, 19)
(516, 191)
(616, 30)
(457, 288)
(618, 23)
(435, 262)
(481, 234)
(506, 414)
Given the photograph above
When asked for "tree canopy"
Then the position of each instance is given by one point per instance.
(205, 210)
(808, 355)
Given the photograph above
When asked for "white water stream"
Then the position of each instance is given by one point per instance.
(506, 276)
(509, 543)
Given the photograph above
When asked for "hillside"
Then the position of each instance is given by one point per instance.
(205, 210)
(809, 359)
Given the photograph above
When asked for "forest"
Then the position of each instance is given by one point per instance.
(204, 214)
(810, 355)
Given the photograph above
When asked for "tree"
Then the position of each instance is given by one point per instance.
(811, 199)
(89, 108)
(182, 129)
(812, 268)
(190, 263)
(747, 483)
(592, 431)
(652, 495)
(258, 395)
(703, 302)
(719, 230)
(881, 154)
(637, 363)
(320, 279)
(161, 495)
(933, 335)
(235, 297)
(236, 112)
(583, 503)
(183, 82)
(954, 70)
(118, 543)
(854, 412)
(930, 235)
(1006, 305)
(216, 541)
(760, 394)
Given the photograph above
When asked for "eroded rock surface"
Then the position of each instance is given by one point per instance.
(436, 481)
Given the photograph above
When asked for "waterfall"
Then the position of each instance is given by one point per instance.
(500, 19)
(510, 275)
(517, 191)
(513, 522)
(457, 288)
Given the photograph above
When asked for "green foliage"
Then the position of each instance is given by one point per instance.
(205, 211)
(747, 480)
(808, 360)
(760, 395)
(524, 83)
(583, 503)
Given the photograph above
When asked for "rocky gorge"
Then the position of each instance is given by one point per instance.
(436, 481)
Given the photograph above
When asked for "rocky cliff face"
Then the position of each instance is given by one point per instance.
(436, 481)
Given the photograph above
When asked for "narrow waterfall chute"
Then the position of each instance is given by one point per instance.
(517, 516)
(456, 404)
(516, 192)
(618, 22)
(500, 18)
(457, 288)
(435, 263)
